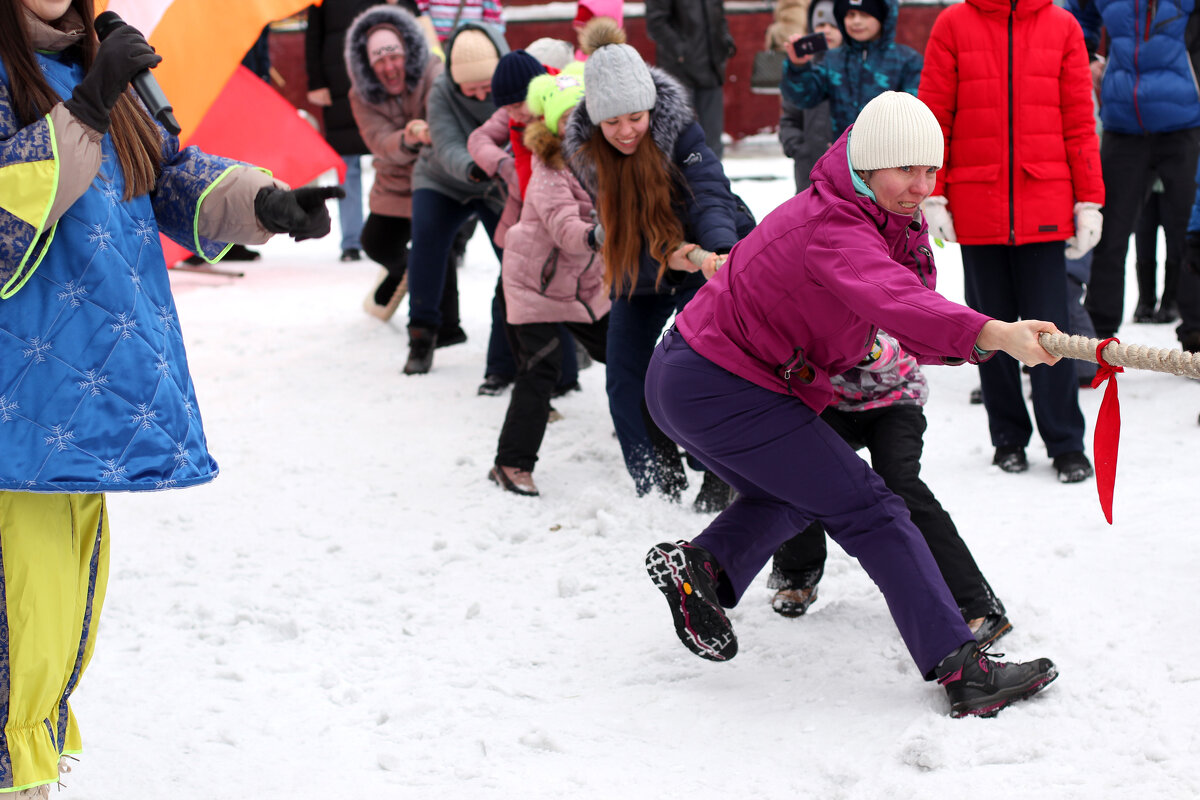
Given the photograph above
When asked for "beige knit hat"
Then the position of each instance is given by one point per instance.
(473, 57)
(896, 130)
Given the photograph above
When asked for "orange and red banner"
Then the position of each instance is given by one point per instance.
(201, 42)
(222, 107)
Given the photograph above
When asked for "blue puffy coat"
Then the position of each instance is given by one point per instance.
(1150, 81)
(854, 74)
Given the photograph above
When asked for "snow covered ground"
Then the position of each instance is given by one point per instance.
(353, 610)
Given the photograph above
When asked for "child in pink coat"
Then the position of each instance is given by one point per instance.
(552, 273)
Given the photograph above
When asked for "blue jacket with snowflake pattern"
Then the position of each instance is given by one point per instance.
(95, 393)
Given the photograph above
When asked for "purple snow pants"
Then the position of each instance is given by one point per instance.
(789, 468)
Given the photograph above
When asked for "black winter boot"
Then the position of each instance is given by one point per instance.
(979, 686)
(715, 495)
(1168, 308)
(449, 336)
(1144, 310)
(421, 342)
(793, 602)
(1011, 458)
(1073, 467)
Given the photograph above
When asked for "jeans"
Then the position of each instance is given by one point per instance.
(350, 207)
(634, 325)
(1079, 322)
(436, 221)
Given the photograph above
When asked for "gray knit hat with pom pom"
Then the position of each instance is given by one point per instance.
(616, 78)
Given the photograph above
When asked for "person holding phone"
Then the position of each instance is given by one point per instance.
(868, 62)
(806, 133)
(809, 45)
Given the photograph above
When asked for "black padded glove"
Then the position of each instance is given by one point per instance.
(123, 54)
(477, 175)
(300, 213)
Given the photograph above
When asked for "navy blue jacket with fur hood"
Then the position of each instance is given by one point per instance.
(712, 215)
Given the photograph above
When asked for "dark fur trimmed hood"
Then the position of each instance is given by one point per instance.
(416, 50)
(670, 115)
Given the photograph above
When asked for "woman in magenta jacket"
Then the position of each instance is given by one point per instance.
(742, 378)
(1010, 85)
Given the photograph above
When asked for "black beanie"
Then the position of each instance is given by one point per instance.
(876, 8)
(512, 76)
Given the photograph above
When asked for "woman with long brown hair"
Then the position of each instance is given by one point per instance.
(95, 394)
(660, 191)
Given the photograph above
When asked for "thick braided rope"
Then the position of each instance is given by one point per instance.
(697, 255)
(1130, 356)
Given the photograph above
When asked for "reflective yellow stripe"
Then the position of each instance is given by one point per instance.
(27, 190)
(25, 270)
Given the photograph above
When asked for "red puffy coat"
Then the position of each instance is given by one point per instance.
(1014, 96)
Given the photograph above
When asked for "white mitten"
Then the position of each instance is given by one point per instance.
(1089, 223)
(941, 226)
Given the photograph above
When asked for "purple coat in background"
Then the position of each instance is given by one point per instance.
(801, 297)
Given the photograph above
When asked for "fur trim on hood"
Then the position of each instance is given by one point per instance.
(416, 51)
(670, 115)
(542, 142)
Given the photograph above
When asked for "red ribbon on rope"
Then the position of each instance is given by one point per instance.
(1107, 436)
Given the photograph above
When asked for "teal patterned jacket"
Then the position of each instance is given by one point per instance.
(95, 393)
(854, 74)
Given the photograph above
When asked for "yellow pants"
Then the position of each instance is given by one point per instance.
(53, 573)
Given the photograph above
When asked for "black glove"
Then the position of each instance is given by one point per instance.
(477, 175)
(123, 54)
(301, 213)
(1191, 255)
(595, 237)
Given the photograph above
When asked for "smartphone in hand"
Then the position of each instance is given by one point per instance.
(809, 45)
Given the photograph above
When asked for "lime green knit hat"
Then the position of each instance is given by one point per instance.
(552, 96)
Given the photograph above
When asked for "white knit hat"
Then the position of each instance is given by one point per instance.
(896, 130)
(551, 52)
(618, 82)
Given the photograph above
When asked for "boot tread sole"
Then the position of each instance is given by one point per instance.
(701, 624)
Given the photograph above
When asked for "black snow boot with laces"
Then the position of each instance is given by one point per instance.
(977, 685)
